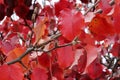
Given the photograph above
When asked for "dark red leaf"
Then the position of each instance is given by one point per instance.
(28, 2)
(49, 11)
(82, 62)
(57, 72)
(69, 78)
(11, 3)
(85, 1)
(65, 4)
(9, 11)
(95, 69)
(2, 11)
(85, 77)
(29, 15)
(22, 10)
(44, 60)
(116, 49)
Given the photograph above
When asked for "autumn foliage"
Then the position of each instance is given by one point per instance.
(64, 40)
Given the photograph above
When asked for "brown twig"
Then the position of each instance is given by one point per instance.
(30, 49)
(112, 2)
(75, 41)
(46, 42)
(27, 25)
(91, 7)
(23, 64)
(23, 55)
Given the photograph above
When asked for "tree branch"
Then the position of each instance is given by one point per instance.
(99, 10)
(23, 55)
(75, 41)
(112, 2)
(52, 38)
(32, 49)
(92, 7)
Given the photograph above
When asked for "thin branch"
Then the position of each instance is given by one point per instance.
(7, 35)
(59, 46)
(52, 38)
(21, 37)
(32, 49)
(91, 7)
(75, 41)
(23, 55)
(112, 2)
(27, 25)
(23, 64)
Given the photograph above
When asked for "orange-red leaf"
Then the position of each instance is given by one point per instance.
(39, 74)
(15, 53)
(71, 23)
(39, 29)
(101, 27)
(12, 72)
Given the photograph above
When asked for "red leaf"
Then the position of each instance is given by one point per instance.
(116, 49)
(69, 78)
(22, 10)
(95, 69)
(85, 1)
(85, 77)
(104, 5)
(48, 10)
(71, 23)
(7, 46)
(117, 1)
(2, 11)
(39, 74)
(101, 27)
(92, 52)
(12, 72)
(65, 4)
(57, 72)
(116, 18)
(39, 29)
(65, 56)
(44, 60)
(82, 62)
(15, 53)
